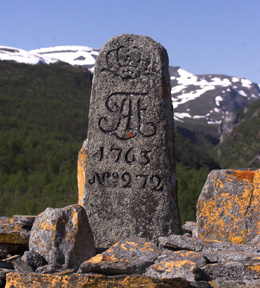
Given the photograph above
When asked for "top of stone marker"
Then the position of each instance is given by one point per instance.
(133, 60)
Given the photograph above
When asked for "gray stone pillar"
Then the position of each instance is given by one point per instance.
(130, 181)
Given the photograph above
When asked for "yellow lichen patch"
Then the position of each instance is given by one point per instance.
(190, 254)
(124, 247)
(147, 247)
(219, 183)
(81, 172)
(158, 267)
(23, 280)
(111, 258)
(12, 233)
(168, 266)
(47, 226)
(75, 217)
(237, 239)
(13, 238)
(96, 259)
(255, 268)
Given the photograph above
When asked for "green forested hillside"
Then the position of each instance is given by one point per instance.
(43, 122)
(243, 144)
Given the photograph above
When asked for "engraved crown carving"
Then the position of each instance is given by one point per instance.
(128, 62)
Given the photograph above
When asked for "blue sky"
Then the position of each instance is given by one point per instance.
(201, 36)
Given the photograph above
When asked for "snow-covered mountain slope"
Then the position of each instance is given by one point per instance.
(207, 98)
(197, 99)
(23, 56)
(74, 55)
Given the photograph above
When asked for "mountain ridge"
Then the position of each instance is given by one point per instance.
(199, 101)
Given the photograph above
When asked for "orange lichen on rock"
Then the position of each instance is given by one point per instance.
(81, 171)
(12, 233)
(168, 266)
(244, 175)
(125, 257)
(63, 236)
(228, 207)
(24, 280)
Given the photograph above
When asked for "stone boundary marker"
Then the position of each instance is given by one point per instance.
(130, 181)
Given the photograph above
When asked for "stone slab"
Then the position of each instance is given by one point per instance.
(173, 269)
(25, 220)
(196, 257)
(234, 270)
(33, 280)
(131, 256)
(12, 232)
(130, 182)
(228, 206)
(220, 283)
(180, 242)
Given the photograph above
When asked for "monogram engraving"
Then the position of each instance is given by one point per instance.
(127, 113)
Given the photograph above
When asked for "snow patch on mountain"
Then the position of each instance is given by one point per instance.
(209, 97)
(74, 55)
(23, 56)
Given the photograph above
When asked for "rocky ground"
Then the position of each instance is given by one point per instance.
(57, 249)
(175, 261)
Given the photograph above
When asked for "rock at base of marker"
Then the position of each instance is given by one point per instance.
(24, 280)
(63, 236)
(131, 256)
(228, 206)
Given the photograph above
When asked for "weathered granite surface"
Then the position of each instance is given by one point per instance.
(130, 185)
(63, 236)
(228, 206)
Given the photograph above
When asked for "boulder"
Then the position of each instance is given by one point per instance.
(33, 259)
(63, 236)
(21, 266)
(228, 206)
(125, 257)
